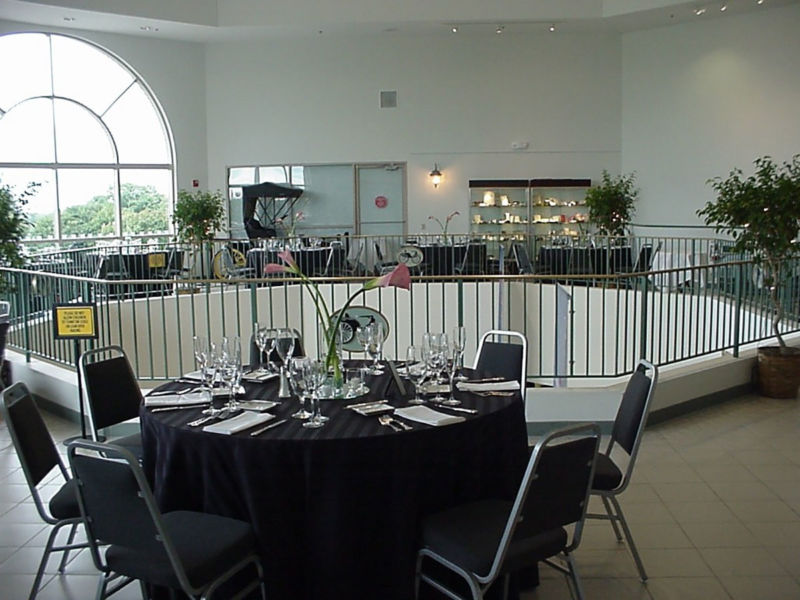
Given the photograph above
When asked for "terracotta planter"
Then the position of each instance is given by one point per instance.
(778, 374)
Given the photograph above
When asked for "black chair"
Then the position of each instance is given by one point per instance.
(503, 358)
(336, 264)
(474, 262)
(111, 393)
(180, 550)
(524, 266)
(483, 540)
(257, 359)
(38, 456)
(610, 480)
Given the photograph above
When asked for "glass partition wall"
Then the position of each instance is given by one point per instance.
(357, 199)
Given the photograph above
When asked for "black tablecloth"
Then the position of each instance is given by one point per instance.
(336, 510)
(568, 260)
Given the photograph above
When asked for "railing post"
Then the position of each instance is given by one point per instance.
(737, 308)
(23, 294)
(461, 301)
(643, 319)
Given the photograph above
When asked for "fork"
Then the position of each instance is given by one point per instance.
(389, 422)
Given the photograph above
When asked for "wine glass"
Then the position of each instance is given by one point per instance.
(284, 346)
(261, 338)
(375, 346)
(209, 375)
(231, 368)
(453, 363)
(416, 369)
(315, 373)
(459, 341)
(298, 382)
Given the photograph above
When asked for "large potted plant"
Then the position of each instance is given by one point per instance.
(761, 213)
(611, 203)
(197, 217)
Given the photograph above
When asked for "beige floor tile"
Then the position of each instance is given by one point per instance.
(777, 534)
(670, 473)
(685, 492)
(647, 512)
(713, 472)
(762, 588)
(760, 457)
(673, 562)
(686, 588)
(781, 472)
(762, 511)
(721, 535)
(616, 563)
(623, 589)
(701, 512)
(788, 557)
(753, 490)
(658, 535)
(742, 562)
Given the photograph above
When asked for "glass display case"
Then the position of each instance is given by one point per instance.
(499, 211)
(558, 206)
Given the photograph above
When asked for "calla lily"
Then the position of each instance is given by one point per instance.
(286, 256)
(399, 277)
(272, 268)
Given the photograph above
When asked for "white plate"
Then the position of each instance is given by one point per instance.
(257, 405)
(375, 408)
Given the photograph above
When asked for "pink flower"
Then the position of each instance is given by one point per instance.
(398, 277)
(452, 214)
(300, 216)
(286, 256)
(271, 268)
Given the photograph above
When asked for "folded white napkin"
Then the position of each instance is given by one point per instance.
(239, 423)
(176, 399)
(194, 375)
(435, 388)
(423, 414)
(259, 376)
(488, 386)
(225, 391)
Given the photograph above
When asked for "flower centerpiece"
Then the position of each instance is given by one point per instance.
(446, 224)
(331, 321)
(289, 225)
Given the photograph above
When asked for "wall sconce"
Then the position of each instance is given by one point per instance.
(436, 176)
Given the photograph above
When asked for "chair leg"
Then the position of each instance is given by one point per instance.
(70, 538)
(143, 588)
(43, 563)
(102, 583)
(574, 578)
(629, 538)
(612, 517)
(417, 574)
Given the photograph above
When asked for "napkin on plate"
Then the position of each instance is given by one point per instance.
(194, 375)
(239, 423)
(423, 414)
(176, 399)
(259, 376)
(488, 386)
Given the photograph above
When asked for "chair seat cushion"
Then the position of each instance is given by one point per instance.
(469, 535)
(208, 545)
(64, 503)
(607, 475)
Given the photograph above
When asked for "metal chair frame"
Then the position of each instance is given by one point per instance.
(512, 334)
(13, 394)
(612, 507)
(478, 584)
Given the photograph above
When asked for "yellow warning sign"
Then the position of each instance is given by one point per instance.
(74, 321)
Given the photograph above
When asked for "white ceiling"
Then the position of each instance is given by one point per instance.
(218, 20)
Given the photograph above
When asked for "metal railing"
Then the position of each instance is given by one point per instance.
(611, 319)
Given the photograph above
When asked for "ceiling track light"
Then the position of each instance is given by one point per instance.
(699, 11)
(723, 8)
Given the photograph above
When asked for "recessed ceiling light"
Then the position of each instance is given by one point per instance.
(723, 8)
(699, 11)
(552, 27)
(759, 2)
(454, 29)
(499, 29)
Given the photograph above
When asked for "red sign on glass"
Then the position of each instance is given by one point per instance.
(381, 201)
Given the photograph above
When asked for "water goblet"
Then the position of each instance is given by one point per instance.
(298, 383)
(459, 341)
(315, 373)
(284, 345)
(452, 400)
(262, 339)
(375, 346)
(416, 369)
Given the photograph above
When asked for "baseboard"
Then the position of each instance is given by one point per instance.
(677, 410)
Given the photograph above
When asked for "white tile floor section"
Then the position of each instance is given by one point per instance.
(714, 506)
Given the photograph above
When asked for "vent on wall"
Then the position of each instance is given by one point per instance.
(389, 99)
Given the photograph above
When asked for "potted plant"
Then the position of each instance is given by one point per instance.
(197, 216)
(761, 214)
(611, 203)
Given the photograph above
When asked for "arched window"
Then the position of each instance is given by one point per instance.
(82, 125)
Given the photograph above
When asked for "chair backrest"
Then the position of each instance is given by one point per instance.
(645, 258)
(110, 388)
(503, 358)
(117, 504)
(35, 447)
(524, 265)
(555, 489)
(255, 359)
(632, 413)
(474, 262)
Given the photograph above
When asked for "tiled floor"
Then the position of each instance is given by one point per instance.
(714, 507)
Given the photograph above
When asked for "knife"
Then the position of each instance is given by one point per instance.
(270, 426)
(469, 411)
(181, 407)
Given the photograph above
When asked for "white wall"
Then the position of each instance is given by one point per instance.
(175, 71)
(702, 98)
(462, 100)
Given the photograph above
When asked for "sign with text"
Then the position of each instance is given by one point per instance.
(75, 321)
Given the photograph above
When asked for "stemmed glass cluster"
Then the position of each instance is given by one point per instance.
(371, 339)
(223, 360)
(437, 354)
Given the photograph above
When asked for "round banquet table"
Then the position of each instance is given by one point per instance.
(336, 510)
